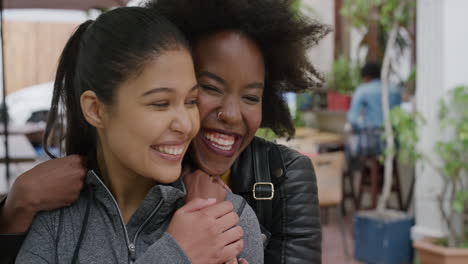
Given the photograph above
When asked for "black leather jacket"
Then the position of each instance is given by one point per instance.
(294, 233)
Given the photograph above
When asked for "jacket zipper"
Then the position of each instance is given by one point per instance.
(130, 245)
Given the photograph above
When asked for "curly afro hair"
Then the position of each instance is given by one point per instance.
(282, 35)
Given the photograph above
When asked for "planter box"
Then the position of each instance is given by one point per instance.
(380, 241)
(429, 253)
(338, 102)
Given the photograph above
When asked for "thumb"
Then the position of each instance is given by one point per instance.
(197, 204)
(243, 261)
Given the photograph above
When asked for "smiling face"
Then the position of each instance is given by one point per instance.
(148, 127)
(231, 74)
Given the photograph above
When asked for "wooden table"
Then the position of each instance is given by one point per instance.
(311, 140)
(314, 143)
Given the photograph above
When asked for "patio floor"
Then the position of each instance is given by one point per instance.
(332, 243)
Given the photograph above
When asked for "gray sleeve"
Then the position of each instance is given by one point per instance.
(39, 246)
(166, 251)
(253, 245)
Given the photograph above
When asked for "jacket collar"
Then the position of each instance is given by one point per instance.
(159, 203)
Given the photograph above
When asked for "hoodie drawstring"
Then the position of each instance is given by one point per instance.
(83, 227)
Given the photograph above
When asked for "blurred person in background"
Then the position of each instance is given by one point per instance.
(366, 115)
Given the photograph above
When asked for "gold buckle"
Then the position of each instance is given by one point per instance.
(264, 198)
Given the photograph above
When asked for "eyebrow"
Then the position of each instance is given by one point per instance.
(213, 76)
(256, 85)
(166, 90)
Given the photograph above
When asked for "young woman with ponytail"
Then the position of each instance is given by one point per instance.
(127, 88)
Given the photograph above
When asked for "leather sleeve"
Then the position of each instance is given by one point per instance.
(298, 233)
(10, 244)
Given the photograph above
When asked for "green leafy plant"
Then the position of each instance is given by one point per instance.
(452, 151)
(405, 125)
(453, 116)
(344, 77)
(381, 13)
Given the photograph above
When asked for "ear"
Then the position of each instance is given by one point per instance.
(92, 108)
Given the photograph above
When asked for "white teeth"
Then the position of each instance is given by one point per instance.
(171, 150)
(224, 143)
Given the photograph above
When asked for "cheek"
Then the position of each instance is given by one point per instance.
(207, 104)
(135, 126)
(195, 120)
(253, 118)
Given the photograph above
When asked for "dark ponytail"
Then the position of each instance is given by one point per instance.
(99, 56)
(64, 79)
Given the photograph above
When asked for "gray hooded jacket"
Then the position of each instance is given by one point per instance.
(92, 230)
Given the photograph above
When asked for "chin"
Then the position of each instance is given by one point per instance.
(166, 176)
(168, 180)
(214, 168)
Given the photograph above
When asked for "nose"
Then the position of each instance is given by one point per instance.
(182, 122)
(231, 111)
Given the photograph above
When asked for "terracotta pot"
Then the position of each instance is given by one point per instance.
(429, 253)
(338, 102)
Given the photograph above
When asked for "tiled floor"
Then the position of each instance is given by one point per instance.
(332, 243)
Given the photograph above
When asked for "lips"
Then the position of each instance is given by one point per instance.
(222, 143)
(172, 152)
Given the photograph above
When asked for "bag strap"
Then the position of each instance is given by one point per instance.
(265, 165)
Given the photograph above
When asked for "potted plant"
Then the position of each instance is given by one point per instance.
(453, 167)
(342, 81)
(382, 235)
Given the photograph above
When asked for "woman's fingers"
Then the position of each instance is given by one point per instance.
(233, 250)
(228, 221)
(231, 236)
(243, 261)
(233, 261)
(218, 210)
(197, 204)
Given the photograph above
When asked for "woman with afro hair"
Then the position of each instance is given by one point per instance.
(247, 54)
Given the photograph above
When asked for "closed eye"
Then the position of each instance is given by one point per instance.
(211, 89)
(164, 104)
(192, 102)
(251, 99)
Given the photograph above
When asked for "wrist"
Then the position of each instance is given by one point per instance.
(15, 217)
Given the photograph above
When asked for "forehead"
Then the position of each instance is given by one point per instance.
(230, 53)
(171, 69)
